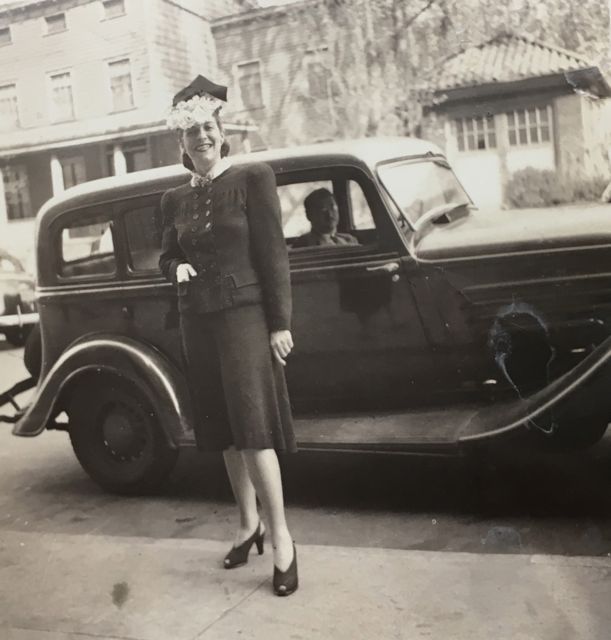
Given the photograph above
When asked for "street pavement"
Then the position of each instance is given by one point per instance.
(512, 546)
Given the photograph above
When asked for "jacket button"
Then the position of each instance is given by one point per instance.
(208, 225)
(207, 212)
(195, 216)
(208, 201)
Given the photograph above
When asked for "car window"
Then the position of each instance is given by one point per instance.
(143, 238)
(362, 219)
(87, 248)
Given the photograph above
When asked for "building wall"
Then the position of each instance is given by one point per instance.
(279, 41)
(83, 50)
(181, 46)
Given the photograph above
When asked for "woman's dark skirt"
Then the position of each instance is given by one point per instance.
(238, 388)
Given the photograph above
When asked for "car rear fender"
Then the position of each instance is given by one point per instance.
(120, 356)
(580, 393)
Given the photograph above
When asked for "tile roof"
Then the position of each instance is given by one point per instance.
(505, 58)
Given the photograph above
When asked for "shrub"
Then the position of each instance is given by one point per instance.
(544, 188)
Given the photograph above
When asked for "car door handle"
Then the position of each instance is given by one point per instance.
(389, 267)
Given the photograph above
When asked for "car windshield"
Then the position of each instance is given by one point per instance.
(417, 187)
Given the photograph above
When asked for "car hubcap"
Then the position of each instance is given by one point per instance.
(123, 433)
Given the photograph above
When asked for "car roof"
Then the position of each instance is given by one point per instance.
(365, 151)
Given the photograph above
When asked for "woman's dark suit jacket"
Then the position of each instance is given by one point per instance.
(230, 231)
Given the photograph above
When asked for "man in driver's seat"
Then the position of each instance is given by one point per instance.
(321, 211)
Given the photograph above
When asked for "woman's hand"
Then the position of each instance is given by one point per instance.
(281, 343)
(184, 272)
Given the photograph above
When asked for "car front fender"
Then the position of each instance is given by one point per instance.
(580, 393)
(133, 361)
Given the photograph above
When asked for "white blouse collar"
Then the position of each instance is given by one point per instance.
(219, 167)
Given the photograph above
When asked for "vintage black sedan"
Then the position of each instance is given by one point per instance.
(442, 327)
(17, 307)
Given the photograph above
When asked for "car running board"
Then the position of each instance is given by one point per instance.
(431, 431)
(577, 395)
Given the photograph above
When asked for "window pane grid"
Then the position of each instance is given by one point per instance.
(475, 134)
(17, 193)
(121, 85)
(528, 126)
(62, 105)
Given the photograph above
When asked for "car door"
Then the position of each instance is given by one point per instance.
(360, 342)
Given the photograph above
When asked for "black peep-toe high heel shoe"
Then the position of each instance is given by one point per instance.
(286, 582)
(238, 556)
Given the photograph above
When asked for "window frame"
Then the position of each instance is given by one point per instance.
(262, 86)
(8, 30)
(49, 32)
(30, 210)
(387, 237)
(316, 55)
(105, 16)
(52, 108)
(17, 122)
(515, 128)
(115, 61)
(81, 216)
(488, 130)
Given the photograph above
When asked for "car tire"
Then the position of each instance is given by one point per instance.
(117, 438)
(17, 336)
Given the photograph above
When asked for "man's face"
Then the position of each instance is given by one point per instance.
(323, 215)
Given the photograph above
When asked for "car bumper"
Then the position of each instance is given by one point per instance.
(18, 320)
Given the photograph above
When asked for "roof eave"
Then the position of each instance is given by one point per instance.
(589, 79)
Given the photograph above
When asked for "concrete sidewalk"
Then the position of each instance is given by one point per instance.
(68, 587)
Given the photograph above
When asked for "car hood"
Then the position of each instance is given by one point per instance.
(492, 232)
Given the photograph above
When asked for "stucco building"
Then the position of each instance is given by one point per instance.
(84, 89)
(513, 102)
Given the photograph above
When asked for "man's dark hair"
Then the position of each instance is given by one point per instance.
(313, 198)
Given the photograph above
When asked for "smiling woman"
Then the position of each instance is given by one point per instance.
(223, 248)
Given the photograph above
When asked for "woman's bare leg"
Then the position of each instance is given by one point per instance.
(244, 493)
(264, 471)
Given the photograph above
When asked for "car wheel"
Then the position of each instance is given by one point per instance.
(17, 336)
(569, 435)
(117, 438)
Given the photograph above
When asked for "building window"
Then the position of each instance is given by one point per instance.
(5, 36)
(17, 193)
(475, 134)
(529, 126)
(113, 8)
(249, 81)
(317, 73)
(121, 85)
(9, 114)
(62, 103)
(73, 171)
(56, 23)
